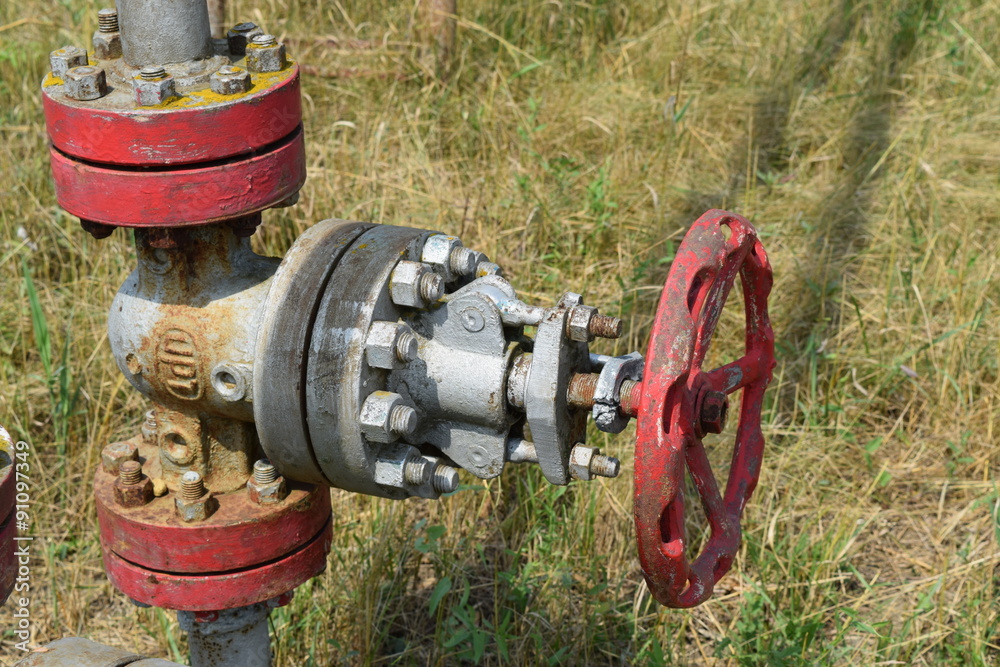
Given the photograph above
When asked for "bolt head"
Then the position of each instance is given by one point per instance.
(113, 455)
(63, 59)
(149, 93)
(375, 419)
(133, 495)
(240, 34)
(404, 285)
(230, 80)
(268, 494)
(196, 510)
(85, 83)
(265, 58)
(107, 45)
(578, 323)
(381, 345)
(714, 410)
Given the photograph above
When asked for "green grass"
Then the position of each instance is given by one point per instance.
(574, 143)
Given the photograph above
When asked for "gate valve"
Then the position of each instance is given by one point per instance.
(679, 403)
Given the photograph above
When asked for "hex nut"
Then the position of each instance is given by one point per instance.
(196, 510)
(414, 284)
(385, 417)
(713, 412)
(265, 54)
(390, 345)
(151, 91)
(85, 83)
(579, 461)
(230, 80)
(63, 59)
(269, 493)
(113, 455)
(448, 256)
(239, 35)
(107, 45)
(578, 323)
(133, 495)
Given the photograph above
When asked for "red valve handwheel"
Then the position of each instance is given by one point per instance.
(680, 402)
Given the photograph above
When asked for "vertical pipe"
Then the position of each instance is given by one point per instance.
(162, 32)
(228, 638)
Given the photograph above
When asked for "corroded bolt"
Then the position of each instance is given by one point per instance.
(152, 73)
(431, 287)
(628, 397)
(714, 408)
(264, 40)
(107, 20)
(117, 453)
(403, 420)
(406, 347)
(605, 326)
(230, 80)
(62, 59)
(444, 479)
(85, 83)
(581, 389)
(264, 472)
(237, 37)
(130, 472)
(605, 466)
(149, 428)
(265, 54)
(192, 486)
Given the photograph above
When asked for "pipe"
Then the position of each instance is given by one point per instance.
(163, 32)
(228, 638)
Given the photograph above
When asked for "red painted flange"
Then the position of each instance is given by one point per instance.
(239, 534)
(200, 127)
(176, 197)
(670, 425)
(224, 590)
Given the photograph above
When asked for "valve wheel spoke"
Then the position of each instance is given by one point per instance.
(670, 420)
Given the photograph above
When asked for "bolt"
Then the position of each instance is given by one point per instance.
(414, 471)
(581, 390)
(403, 420)
(264, 40)
(62, 59)
(265, 54)
(230, 80)
(238, 36)
(488, 269)
(152, 73)
(264, 472)
(714, 408)
(406, 347)
(149, 428)
(107, 20)
(431, 287)
(192, 486)
(462, 260)
(444, 479)
(605, 466)
(628, 397)
(117, 453)
(605, 326)
(85, 83)
(130, 472)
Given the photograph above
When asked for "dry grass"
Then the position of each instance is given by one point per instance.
(574, 143)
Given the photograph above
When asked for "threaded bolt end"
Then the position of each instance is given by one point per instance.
(150, 419)
(403, 420)
(264, 40)
(431, 287)
(605, 326)
(130, 472)
(628, 398)
(107, 20)
(444, 479)
(264, 472)
(462, 260)
(406, 347)
(605, 466)
(581, 390)
(414, 470)
(152, 73)
(192, 486)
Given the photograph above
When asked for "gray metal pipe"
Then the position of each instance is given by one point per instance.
(237, 638)
(163, 32)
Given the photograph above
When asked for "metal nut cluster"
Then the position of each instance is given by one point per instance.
(265, 54)
(230, 80)
(390, 345)
(240, 34)
(386, 416)
(153, 86)
(414, 284)
(63, 59)
(85, 83)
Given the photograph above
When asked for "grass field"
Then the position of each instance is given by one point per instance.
(574, 143)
